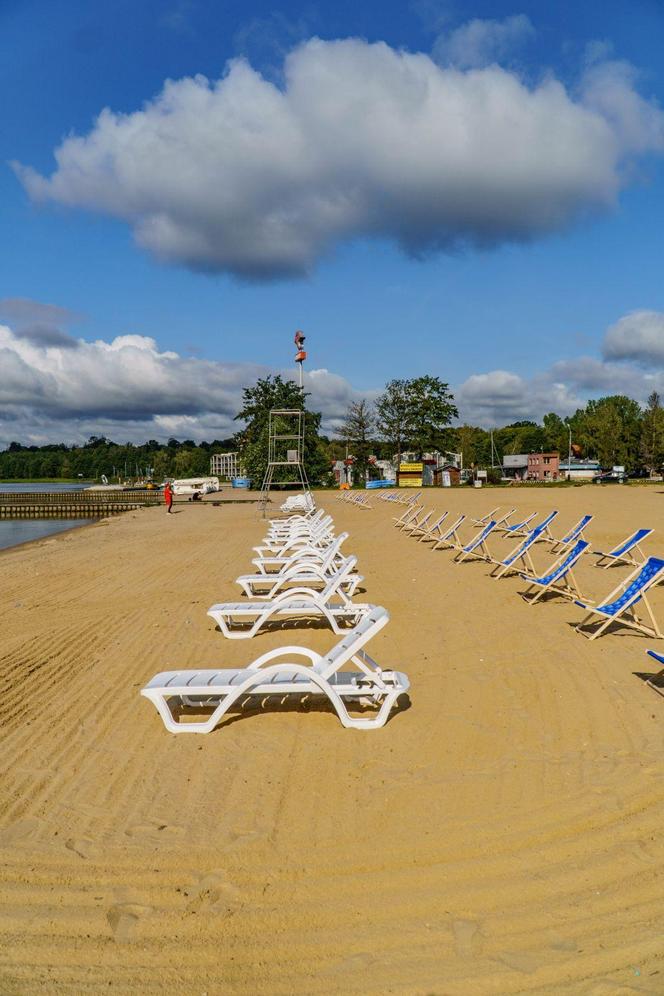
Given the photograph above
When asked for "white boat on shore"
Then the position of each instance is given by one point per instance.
(195, 485)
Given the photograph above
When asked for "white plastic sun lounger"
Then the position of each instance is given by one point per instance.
(435, 531)
(623, 553)
(324, 555)
(559, 579)
(618, 606)
(298, 523)
(302, 575)
(242, 620)
(477, 547)
(517, 559)
(450, 536)
(279, 547)
(268, 675)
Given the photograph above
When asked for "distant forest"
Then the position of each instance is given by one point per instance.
(612, 430)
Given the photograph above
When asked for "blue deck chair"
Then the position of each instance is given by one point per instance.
(415, 526)
(618, 606)
(652, 681)
(435, 531)
(520, 555)
(575, 533)
(477, 546)
(560, 579)
(622, 554)
(412, 512)
(516, 527)
(450, 536)
(488, 517)
(524, 529)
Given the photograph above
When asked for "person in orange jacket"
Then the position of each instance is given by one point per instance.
(168, 496)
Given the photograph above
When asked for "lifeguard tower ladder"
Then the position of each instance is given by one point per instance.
(285, 449)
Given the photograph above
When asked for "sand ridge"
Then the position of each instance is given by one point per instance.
(500, 835)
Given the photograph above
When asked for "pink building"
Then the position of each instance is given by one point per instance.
(543, 466)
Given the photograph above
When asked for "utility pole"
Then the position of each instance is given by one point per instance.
(300, 355)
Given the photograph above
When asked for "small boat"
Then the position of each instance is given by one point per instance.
(195, 485)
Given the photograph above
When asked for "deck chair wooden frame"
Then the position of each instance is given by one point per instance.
(416, 527)
(622, 554)
(410, 513)
(435, 531)
(575, 533)
(659, 688)
(520, 554)
(450, 536)
(477, 547)
(559, 579)
(482, 521)
(619, 605)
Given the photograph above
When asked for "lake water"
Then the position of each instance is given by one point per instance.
(13, 531)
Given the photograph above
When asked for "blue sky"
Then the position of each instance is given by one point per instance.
(470, 190)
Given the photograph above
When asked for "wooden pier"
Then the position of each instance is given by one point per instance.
(74, 504)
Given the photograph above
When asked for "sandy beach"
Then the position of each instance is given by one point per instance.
(501, 834)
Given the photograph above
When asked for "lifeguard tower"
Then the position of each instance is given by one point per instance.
(285, 461)
(285, 453)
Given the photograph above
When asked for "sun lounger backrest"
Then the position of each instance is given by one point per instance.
(639, 535)
(370, 624)
(648, 573)
(337, 578)
(562, 568)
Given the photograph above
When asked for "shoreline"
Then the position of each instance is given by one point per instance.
(502, 833)
(49, 536)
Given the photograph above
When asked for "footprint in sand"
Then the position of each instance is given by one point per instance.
(468, 939)
(521, 961)
(82, 846)
(212, 894)
(123, 919)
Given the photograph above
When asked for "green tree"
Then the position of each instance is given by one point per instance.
(267, 394)
(393, 414)
(611, 427)
(431, 408)
(652, 435)
(356, 432)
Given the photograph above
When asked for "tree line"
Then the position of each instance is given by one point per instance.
(409, 415)
(415, 415)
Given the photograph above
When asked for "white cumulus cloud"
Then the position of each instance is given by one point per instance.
(240, 175)
(129, 389)
(479, 42)
(638, 336)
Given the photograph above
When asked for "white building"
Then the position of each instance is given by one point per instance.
(224, 465)
(579, 470)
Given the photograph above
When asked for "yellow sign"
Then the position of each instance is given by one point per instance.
(410, 475)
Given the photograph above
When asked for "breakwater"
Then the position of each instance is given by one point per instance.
(74, 504)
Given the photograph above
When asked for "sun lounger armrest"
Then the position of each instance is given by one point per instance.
(272, 655)
(298, 593)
